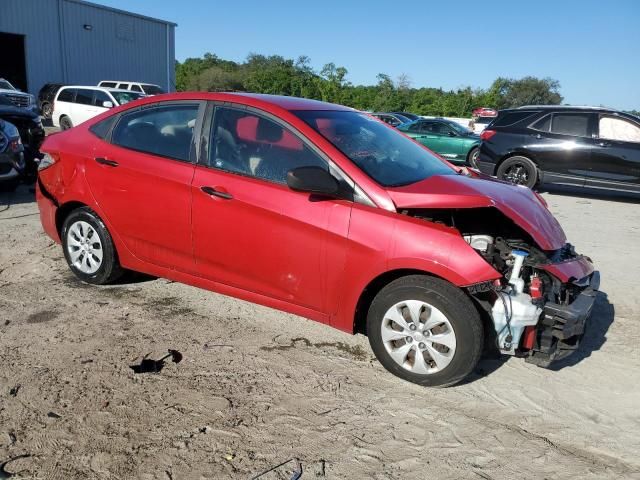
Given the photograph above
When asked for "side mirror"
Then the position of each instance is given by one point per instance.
(107, 104)
(312, 180)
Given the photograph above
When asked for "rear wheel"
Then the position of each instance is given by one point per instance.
(47, 110)
(425, 330)
(518, 170)
(65, 123)
(88, 248)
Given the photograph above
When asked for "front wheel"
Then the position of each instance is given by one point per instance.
(47, 110)
(472, 158)
(425, 330)
(89, 249)
(518, 170)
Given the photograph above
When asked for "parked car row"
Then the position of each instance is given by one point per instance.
(48, 93)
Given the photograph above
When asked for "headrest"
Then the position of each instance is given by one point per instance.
(268, 131)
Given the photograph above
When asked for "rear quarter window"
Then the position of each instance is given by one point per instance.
(66, 95)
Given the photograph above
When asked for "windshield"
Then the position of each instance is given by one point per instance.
(125, 97)
(384, 154)
(459, 128)
(152, 89)
(6, 85)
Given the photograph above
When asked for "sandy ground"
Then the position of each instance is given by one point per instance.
(257, 387)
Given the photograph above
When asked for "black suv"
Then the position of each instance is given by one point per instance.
(584, 146)
(46, 95)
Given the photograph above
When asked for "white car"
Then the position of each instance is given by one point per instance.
(149, 89)
(76, 104)
(480, 123)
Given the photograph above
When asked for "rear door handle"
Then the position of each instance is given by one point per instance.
(105, 161)
(604, 144)
(216, 193)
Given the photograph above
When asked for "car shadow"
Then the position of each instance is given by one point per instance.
(22, 194)
(588, 193)
(595, 335)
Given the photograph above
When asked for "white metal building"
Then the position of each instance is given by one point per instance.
(78, 42)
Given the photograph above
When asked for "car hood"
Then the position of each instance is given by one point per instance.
(460, 191)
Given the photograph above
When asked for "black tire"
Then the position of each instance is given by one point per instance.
(518, 170)
(109, 268)
(65, 123)
(472, 157)
(47, 110)
(450, 301)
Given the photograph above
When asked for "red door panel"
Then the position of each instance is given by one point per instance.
(269, 239)
(147, 200)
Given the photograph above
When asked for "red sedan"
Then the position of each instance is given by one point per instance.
(322, 211)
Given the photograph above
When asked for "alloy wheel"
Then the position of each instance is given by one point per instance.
(84, 247)
(517, 174)
(418, 337)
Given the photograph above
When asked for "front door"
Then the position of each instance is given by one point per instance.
(615, 159)
(141, 180)
(250, 230)
(561, 144)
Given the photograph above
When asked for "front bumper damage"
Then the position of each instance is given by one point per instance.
(562, 327)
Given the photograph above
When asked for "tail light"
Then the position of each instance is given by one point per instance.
(529, 338)
(487, 134)
(46, 161)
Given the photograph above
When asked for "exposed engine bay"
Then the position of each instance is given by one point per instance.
(533, 313)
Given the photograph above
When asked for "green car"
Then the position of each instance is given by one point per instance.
(445, 137)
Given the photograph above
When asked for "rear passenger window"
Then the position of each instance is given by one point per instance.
(123, 86)
(163, 130)
(66, 95)
(108, 84)
(84, 97)
(136, 88)
(574, 124)
(249, 144)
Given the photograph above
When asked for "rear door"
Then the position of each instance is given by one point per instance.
(615, 161)
(561, 144)
(250, 231)
(141, 178)
(424, 133)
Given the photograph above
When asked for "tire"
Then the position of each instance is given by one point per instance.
(65, 123)
(519, 171)
(47, 110)
(472, 158)
(88, 248)
(445, 312)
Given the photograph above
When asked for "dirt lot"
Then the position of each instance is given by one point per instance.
(257, 387)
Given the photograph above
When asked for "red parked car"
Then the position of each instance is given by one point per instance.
(322, 211)
(484, 112)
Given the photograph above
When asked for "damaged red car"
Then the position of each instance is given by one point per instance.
(322, 211)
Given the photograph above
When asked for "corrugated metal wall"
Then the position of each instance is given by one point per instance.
(117, 47)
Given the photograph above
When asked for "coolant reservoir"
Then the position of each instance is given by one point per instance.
(520, 312)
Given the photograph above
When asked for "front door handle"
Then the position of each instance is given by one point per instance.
(536, 135)
(216, 193)
(105, 161)
(604, 144)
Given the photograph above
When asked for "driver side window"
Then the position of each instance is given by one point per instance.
(249, 144)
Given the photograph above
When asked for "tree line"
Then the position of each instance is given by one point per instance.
(281, 76)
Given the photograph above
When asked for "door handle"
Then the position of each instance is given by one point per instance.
(216, 193)
(106, 161)
(604, 144)
(536, 135)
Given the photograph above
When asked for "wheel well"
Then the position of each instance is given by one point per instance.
(471, 150)
(63, 212)
(372, 289)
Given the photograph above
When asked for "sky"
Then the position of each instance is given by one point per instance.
(591, 46)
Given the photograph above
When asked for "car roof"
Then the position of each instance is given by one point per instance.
(561, 107)
(291, 103)
(94, 87)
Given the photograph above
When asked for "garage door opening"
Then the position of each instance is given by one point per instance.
(13, 63)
